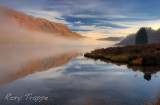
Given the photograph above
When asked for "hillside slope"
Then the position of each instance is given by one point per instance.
(153, 37)
(37, 24)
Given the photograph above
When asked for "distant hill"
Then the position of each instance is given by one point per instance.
(153, 37)
(38, 24)
(111, 38)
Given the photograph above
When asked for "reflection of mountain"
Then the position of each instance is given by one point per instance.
(37, 24)
(39, 66)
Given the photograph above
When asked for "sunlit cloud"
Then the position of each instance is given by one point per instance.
(94, 18)
(78, 22)
(54, 16)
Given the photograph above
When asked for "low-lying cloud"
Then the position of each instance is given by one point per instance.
(19, 46)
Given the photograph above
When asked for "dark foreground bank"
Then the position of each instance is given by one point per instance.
(133, 55)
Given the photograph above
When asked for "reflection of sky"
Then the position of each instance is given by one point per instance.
(82, 80)
(94, 18)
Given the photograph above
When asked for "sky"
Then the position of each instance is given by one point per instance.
(94, 18)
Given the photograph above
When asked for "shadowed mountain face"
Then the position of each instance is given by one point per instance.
(37, 24)
(153, 37)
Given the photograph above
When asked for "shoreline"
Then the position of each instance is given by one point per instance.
(132, 55)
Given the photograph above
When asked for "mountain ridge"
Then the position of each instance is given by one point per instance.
(38, 24)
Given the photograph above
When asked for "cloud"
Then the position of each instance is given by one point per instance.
(105, 31)
(109, 17)
(133, 26)
(50, 15)
(77, 67)
(78, 22)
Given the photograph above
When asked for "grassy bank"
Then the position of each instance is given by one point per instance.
(133, 55)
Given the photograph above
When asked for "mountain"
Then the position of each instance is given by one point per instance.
(111, 38)
(37, 24)
(153, 37)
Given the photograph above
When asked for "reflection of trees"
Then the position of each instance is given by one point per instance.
(147, 70)
(147, 76)
(144, 69)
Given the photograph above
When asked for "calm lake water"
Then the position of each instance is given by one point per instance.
(71, 79)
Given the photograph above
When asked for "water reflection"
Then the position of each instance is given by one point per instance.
(148, 71)
(83, 81)
(40, 65)
(18, 62)
(74, 81)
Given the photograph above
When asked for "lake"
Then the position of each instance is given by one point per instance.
(37, 78)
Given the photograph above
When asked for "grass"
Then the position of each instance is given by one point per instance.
(133, 55)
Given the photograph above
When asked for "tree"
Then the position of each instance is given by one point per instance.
(141, 37)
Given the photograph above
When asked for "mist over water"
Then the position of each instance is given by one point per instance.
(73, 81)
(19, 46)
(13, 34)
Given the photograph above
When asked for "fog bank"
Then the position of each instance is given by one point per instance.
(19, 46)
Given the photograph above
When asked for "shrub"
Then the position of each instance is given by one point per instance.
(136, 62)
(136, 51)
(150, 59)
(132, 57)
